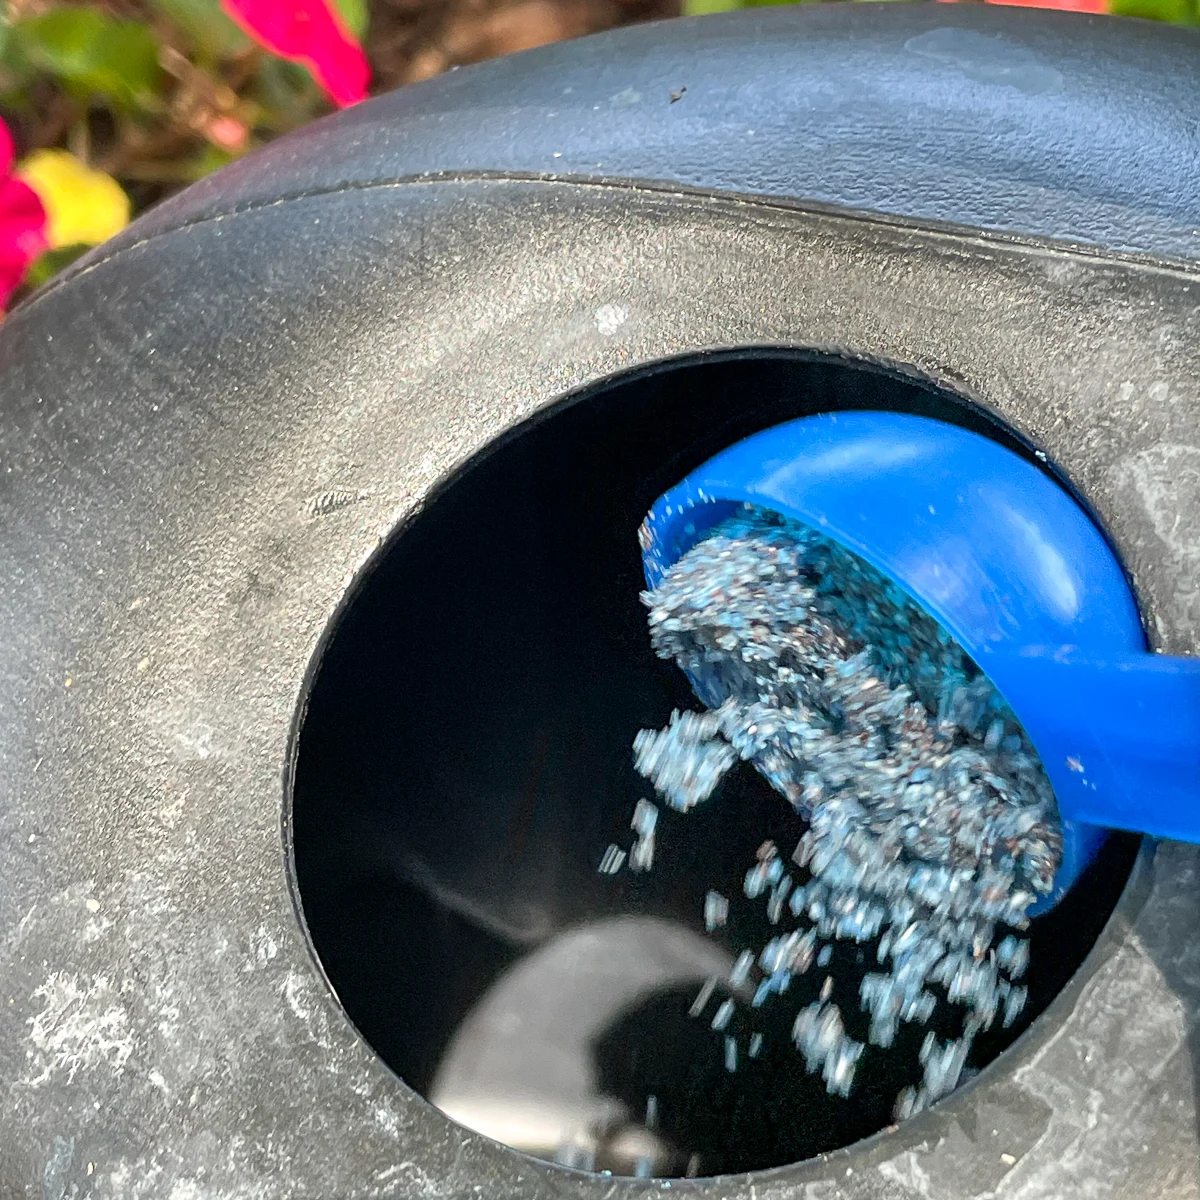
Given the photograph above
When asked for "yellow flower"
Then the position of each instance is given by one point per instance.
(83, 207)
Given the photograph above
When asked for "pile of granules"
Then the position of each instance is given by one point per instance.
(932, 826)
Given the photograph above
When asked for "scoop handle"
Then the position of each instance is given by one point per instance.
(1119, 736)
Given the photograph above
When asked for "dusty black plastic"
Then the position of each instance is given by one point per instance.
(208, 431)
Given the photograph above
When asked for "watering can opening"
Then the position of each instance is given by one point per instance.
(465, 758)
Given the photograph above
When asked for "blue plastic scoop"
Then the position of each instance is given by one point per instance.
(1011, 566)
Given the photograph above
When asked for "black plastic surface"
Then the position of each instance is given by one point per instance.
(212, 426)
(191, 491)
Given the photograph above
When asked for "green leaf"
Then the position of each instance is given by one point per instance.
(287, 95)
(700, 8)
(15, 68)
(1182, 12)
(355, 14)
(210, 159)
(47, 265)
(94, 54)
(211, 31)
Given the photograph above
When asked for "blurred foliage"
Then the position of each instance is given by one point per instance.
(138, 98)
(146, 96)
(698, 8)
(1182, 12)
(91, 54)
(155, 92)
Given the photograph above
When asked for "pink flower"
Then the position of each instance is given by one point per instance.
(22, 222)
(1085, 6)
(310, 32)
(227, 132)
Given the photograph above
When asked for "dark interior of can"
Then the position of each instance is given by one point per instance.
(465, 760)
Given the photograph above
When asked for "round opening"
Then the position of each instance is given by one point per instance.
(465, 759)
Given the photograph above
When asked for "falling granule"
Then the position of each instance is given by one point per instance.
(645, 818)
(755, 1047)
(821, 1037)
(840, 1066)
(932, 826)
(741, 969)
(652, 1111)
(641, 857)
(582, 1158)
(731, 1055)
(610, 864)
(716, 911)
(703, 996)
(723, 1014)
(1013, 955)
(684, 762)
(1014, 1002)
(779, 894)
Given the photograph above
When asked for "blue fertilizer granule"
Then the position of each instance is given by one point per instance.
(932, 826)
